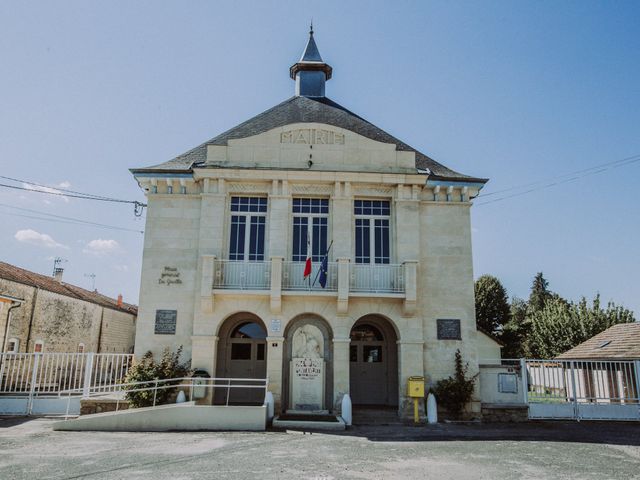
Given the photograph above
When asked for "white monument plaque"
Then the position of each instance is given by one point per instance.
(307, 369)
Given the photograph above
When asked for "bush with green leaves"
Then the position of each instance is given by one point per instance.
(148, 370)
(455, 392)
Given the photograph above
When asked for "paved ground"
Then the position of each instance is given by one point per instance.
(30, 449)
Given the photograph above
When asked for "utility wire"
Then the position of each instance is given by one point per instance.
(603, 166)
(63, 219)
(138, 207)
(560, 179)
(59, 189)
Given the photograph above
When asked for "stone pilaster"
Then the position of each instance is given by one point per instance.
(410, 355)
(275, 356)
(340, 370)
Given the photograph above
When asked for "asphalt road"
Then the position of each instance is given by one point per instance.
(30, 449)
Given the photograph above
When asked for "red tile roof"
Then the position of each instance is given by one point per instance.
(26, 277)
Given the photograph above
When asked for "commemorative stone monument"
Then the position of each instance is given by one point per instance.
(307, 370)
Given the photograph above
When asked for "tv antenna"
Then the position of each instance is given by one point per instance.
(92, 276)
(56, 265)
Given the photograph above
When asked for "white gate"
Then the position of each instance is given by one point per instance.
(30, 383)
(583, 390)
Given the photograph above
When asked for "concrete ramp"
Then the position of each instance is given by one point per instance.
(164, 418)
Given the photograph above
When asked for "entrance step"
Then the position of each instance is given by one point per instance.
(309, 422)
(375, 415)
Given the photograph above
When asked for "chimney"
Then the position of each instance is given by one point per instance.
(120, 301)
(57, 274)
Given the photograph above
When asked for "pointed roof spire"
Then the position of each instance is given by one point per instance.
(311, 53)
(310, 72)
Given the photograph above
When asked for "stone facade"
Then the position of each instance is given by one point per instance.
(186, 255)
(59, 319)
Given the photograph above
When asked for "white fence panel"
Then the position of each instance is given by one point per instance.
(30, 382)
(583, 389)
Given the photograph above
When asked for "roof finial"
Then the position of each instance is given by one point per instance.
(311, 27)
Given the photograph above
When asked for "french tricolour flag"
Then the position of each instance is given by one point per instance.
(307, 265)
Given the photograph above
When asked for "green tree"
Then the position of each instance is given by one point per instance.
(492, 304)
(516, 330)
(562, 325)
(540, 293)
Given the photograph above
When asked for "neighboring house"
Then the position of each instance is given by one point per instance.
(489, 348)
(232, 223)
(39, 313)
(607, 366)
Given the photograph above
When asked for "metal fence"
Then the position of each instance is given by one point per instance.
(383, 278)
(242, 275)
(293, 277)
(583, 389)
(26, 376)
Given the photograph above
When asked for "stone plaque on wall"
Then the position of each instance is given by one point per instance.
(166, 322)
(449, 329)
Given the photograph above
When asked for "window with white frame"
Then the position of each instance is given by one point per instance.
(310, 220)
(248, 228)
(372, 231)
(13, 345)
(38, 347)
(81, 348)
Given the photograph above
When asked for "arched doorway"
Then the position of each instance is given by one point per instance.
(373, 363)
(318, 347)
(242, 353)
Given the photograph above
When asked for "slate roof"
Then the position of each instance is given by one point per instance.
(300, 109)
(624, 344)
(26, 277)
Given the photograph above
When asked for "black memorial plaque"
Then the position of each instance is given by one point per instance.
(166, 322)
(449, 329)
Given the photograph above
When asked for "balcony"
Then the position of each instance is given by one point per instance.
(376, 278)
(229, 274)
(293, 279)
(276, 278)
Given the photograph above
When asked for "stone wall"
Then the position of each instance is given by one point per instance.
(101, 405)
(62, 323)
(502, 413)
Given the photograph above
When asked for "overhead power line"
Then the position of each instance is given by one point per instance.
(62, 192)
(63, 219)
(558, 180)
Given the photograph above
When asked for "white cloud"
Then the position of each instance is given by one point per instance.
(121, 268)
(39, 239)
(101, 247)
(65, 184)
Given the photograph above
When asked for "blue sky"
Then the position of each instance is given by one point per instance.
(514, 91)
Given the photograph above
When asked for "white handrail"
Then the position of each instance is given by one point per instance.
(161, 384)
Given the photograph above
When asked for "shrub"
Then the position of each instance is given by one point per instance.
(454, 393)
(148, 370)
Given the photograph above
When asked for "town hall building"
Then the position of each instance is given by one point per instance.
(233, 223)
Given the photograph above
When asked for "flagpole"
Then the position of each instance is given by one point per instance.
(323, 258)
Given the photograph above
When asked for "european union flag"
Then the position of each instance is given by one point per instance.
(323, 271)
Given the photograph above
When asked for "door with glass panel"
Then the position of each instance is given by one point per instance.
(246, 358)
(368, 366)
(247, 243)
(310, 228)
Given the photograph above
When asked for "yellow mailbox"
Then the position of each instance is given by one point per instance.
(415, 390)
(415, 387)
